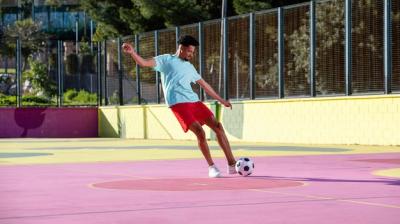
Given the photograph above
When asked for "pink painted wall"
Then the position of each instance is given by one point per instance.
(48, 122)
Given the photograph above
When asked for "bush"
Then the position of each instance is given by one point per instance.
(70, 94)
(27, 100)
(73, 97)
(39, 78)
(6, 100)
(30, 100)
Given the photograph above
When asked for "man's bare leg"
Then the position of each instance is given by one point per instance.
(202, 141)
(222, 139)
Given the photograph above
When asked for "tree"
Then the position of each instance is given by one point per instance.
(121, 17)
(107, 14)
(246, 6)
(30, 34)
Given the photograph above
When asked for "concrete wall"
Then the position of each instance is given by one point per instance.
(48, 122)
(142, 122)
(369, 120)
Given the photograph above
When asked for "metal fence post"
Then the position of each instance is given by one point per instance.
(201, 56)
(157, 73)
(312, 48)
(91, 36)
(59, 76)
(348, 47)
(177, 35)
(388, 45)
(252, 57)
(138, 85)
(120, 73)
(105, 74)
(99, 77)
(281, 53)
(225, 58)
(18, 72)
(77, 33)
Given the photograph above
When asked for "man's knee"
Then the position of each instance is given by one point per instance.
(198, 130)
(218, 127)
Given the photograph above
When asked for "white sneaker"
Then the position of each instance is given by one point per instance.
(213, 172)
(231, 169)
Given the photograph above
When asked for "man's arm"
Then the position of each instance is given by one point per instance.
(210, 91)
(127, 48)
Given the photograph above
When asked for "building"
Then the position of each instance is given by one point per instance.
(60, 18)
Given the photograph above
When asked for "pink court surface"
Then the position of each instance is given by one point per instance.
(117, 181)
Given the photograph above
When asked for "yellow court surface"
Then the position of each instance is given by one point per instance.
(88, 150)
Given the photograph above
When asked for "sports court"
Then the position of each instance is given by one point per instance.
(308, 90)
(139, 181)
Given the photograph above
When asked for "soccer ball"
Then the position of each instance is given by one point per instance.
(244, 166)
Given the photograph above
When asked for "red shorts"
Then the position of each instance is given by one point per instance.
(187, 113)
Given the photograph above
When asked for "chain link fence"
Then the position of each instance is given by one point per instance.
(294, 51)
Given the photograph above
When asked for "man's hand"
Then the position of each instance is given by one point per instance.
(127, 48)
(226, 104)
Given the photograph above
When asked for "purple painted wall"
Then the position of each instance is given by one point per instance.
(48, 122)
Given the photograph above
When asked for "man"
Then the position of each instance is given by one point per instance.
(177, 73)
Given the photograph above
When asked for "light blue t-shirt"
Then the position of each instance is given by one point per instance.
(176, 77)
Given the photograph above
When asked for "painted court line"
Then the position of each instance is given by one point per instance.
(329, 198)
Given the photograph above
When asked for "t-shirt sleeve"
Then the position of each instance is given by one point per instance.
(195, 76)
(160, 62)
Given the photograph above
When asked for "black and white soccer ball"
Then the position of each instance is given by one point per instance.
(244, 166)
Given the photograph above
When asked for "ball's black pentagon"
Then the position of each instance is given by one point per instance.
(246, 159)
(253, 165)
(240, 173)
(238, 164)
(246, 168)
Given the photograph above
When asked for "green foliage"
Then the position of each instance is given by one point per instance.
(246, 6)
(73, 97)
(114, 98)
(121, 17)
(9, 70)
(30, 34)
(39, 78)
(54, 3)
(106, 13)
(27, 100)
(26, 8)
(70, 94)
(84, 48)
(6, 100)
(167, 11)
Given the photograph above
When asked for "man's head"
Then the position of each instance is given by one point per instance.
(187, 45)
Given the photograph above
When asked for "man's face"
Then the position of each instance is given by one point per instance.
(187, 52)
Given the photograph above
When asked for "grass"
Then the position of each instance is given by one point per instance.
(9, 70)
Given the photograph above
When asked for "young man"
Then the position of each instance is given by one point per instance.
(177, 73)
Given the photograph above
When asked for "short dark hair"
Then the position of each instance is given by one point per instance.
(188, 40)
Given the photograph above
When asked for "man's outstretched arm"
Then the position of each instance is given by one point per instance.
(127, 48)
(211, 92)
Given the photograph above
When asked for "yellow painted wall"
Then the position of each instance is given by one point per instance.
(131, 122)
(108, 122)
(142, 122)
(368, 120)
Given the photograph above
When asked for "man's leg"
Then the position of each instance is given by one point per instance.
(196, 128)
(222, 139)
